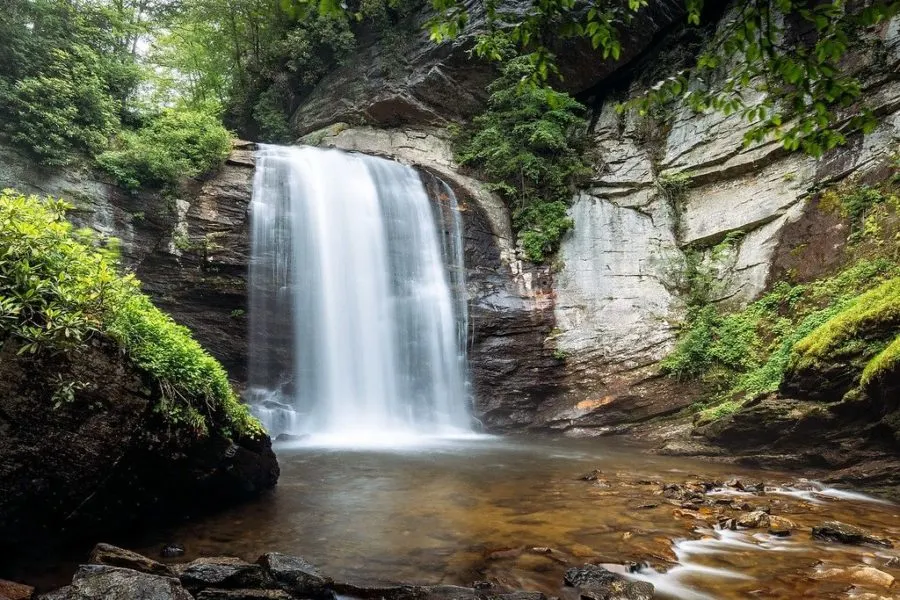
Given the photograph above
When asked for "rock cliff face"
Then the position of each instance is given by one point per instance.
(189, 249)
(572, 347)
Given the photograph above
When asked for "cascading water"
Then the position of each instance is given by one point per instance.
(357, 300)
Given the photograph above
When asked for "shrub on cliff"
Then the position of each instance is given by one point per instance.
(178, 143)
(747, 353)
(59, 288)
(530, 144)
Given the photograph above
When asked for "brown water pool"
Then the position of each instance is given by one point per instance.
(514, 511)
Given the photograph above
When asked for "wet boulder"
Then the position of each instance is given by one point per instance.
(10, 590)
(172, 550)
(93, 582)
(113, 556)
(224, 572)
(754, 520)
(780, 527)
(597, 583)
(835, 531)
(296, 575)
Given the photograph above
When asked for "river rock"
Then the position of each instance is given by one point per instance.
(113, 556)
(394, 592)
(594, 475)
(861, 575)
(172, 550)
(250, 594)
(597, 583)
(102, 582)
(296, 575)
(10, 590)
(780, 527)
(835, 531)
(223, 572)
(754, 520)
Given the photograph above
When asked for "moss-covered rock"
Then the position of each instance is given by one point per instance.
(110, 412)
(855, 347)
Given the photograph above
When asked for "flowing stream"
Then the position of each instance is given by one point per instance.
(357, 303)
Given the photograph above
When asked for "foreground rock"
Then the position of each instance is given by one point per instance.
(835, 531)
(115, 583)
(596, 583)
(273, 576)
(106, 460)
(10, 590)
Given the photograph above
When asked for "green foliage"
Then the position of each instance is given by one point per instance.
(887, 361)
(64, 109)
(717, 411)
(870, 316)
(59, 288)
(530, 143)
(67, 73)
(178, 143)
(698, 278)
(810, 100)
(856, 203)
(745, 354)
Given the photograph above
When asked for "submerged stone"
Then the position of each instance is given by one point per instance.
(172, 550)
(835, 531)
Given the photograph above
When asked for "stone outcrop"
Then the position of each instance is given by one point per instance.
(190, 249)
(107, 459)
(407, 80)
(618, 303)
(273, 577)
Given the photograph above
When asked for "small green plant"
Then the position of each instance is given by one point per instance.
(717, 411)
(59, 288)
(238, 313)
(887, 361)
(674, 185)
(859, 205)
(65, 390)
(560, 354)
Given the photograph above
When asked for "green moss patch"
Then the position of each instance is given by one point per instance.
(745, 354)
(59, 288)
(854, 331)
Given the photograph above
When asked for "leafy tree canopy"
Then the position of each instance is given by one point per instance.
(777, 62)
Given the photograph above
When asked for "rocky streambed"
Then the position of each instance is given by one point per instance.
(501, 515)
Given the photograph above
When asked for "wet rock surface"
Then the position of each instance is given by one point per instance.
(835, 531)
(274, 576)
(296, 575)
(115, 583)
(597, 583)
(10, 590)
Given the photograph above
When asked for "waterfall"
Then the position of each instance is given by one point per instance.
(357, 299)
